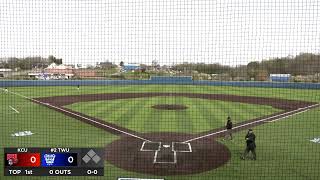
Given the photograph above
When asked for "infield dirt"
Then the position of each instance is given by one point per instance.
(206, 154)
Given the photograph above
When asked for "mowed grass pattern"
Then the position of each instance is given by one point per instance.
(51, 129)
(201, 114)
(282, 93)
(284, 149)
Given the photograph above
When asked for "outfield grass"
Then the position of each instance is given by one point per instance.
(282, 93)
(201, 115)
(51, 129)
(283, 147)
(284, 152)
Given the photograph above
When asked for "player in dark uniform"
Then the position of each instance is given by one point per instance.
(251, 145)
(229, 128)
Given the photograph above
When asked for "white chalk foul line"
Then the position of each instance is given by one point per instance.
(91, 120)
(296, 111)
(15, 110)
(288, 116)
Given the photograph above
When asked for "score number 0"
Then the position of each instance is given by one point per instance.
(33, 159)
(70, 159)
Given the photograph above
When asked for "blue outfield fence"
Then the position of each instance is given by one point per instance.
(177, 81)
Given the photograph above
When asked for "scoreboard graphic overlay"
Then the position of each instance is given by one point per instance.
(53, 161)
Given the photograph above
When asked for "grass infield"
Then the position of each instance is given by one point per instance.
(283, 147)
(201, 115)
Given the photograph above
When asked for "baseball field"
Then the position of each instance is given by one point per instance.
(173, 132)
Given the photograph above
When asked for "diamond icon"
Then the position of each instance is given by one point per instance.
(86, 158)
(91, 153)
(96, 159)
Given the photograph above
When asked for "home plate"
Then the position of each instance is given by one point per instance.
(166, 146)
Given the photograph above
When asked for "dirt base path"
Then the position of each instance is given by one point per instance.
(171, 153)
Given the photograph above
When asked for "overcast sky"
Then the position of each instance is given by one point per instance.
(169, 31)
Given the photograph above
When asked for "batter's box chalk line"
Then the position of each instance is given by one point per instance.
(150, 146)
(186, 147)
(166, 153)
(161, 157)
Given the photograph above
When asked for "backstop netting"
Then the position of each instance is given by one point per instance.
(160, 89)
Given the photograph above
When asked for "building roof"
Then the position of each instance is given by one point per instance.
(60, 66)
(128, 67)
(280, 75)
(5, 70)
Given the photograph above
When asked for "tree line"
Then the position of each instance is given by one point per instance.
(302, 64)
(28, 63)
